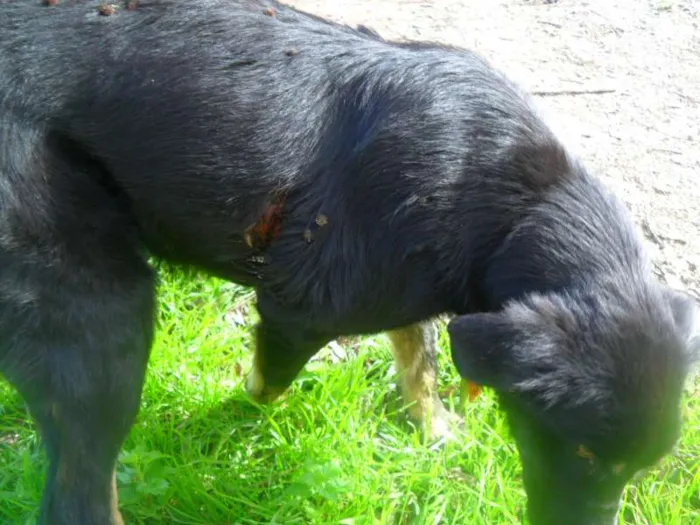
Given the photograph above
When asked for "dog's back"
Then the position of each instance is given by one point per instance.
(263, 101)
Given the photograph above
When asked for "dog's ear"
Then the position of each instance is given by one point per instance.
(686, 314)
(525, 347)
(483, 348)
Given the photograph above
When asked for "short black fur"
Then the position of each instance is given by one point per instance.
(170, 128)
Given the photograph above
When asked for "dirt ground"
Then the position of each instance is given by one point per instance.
(639, 131)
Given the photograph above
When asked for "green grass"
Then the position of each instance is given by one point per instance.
(337, 449)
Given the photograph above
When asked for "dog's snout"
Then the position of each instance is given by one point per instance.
(603, 513)
(582, 513)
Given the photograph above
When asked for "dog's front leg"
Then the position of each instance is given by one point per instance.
(282, 348)
(414, 348)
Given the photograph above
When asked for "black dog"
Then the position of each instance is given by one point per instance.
(360, 186)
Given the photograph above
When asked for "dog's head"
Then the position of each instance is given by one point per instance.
(591, 385)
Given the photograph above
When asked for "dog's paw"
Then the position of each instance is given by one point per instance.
(442, 425)
(261, 393)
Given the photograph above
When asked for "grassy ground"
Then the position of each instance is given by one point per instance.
(337, 449)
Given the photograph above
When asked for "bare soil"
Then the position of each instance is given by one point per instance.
(638, 129)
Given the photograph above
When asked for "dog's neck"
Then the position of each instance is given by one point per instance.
(574, 237)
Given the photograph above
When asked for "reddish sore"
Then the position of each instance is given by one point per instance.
(268, 227)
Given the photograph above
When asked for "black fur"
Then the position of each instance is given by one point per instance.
(168, 129)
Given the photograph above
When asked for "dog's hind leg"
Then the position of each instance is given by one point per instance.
(78, 358)
(414, 348)
(77, 353)
(76, 320)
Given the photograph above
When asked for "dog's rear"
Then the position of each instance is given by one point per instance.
(411, 180)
